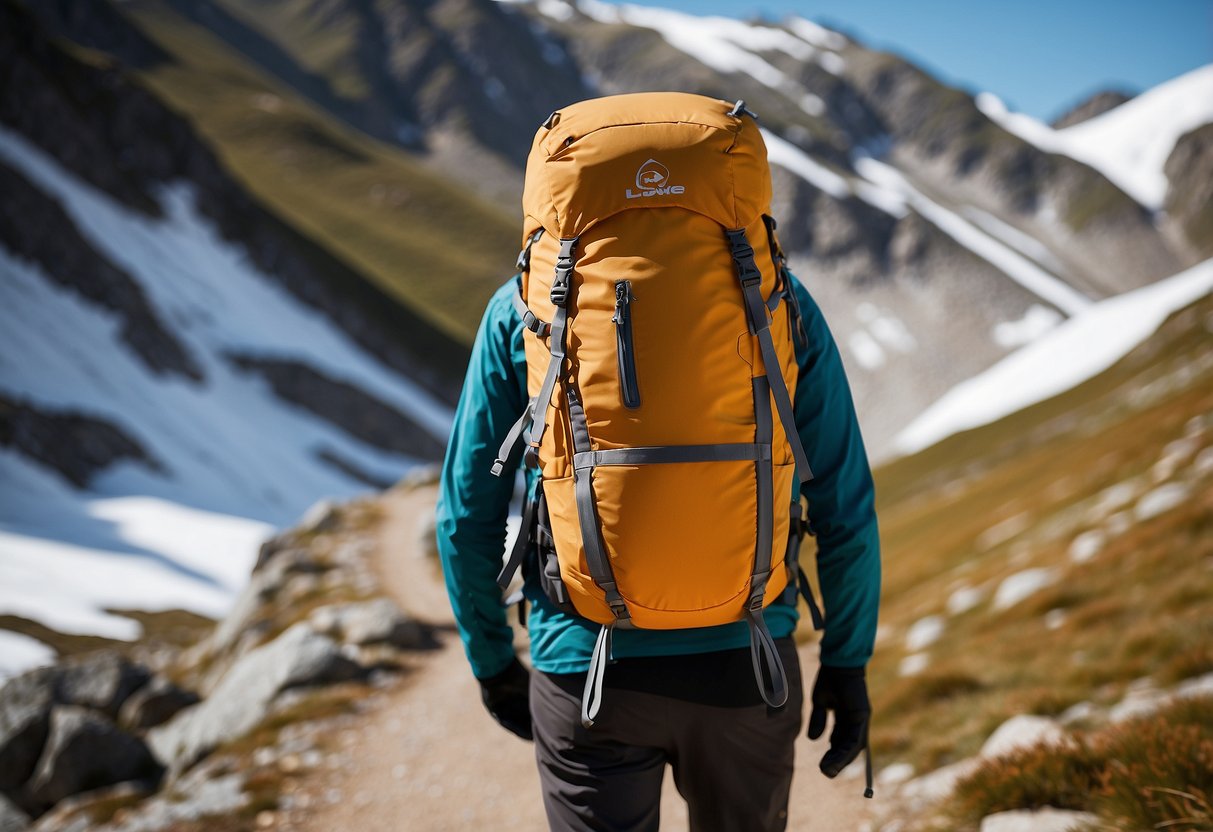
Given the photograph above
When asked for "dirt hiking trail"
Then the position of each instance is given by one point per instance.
(427, 757)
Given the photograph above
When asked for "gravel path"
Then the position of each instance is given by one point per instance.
(429, 758)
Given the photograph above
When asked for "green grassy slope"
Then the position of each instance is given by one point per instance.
(1014, 495)
(438, 248)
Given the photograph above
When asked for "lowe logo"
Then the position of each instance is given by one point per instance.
(653, 180)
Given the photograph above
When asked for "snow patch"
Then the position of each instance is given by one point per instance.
(1019, 268)
(1023, 585)
(787, 155)
(1073, 352)
(1128, 144)
(1087, 545)
(236, 460)
(1055, 619)
(865, 349)
(19, 653)
(816, 34)
(924, 632)
(1035, 322)
(964, 599)
(1160, 500)
(1023, 731)
(913, 665)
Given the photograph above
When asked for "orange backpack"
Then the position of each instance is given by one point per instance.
(660, 365)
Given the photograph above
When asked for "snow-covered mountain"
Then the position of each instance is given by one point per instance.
(243, 248)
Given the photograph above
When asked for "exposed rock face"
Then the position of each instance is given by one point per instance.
(129, 144)
(372, 622)
(35, 227)
(243, 697)
(12, 819)
(154, 704)
(76, 445)
(101, 681)
(25, 707)
(1189, 170)
(85, 750)
(348, 407)
(1089, 108)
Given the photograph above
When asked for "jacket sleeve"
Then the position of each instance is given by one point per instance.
(473, 505)
(841, 495)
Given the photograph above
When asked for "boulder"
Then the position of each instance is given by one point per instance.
(372, 622)
(86, 750)
(25, 708)
(1038, 820)
(1023, 731)
(101, 681)
(12, 819)
(154, 704)
(243, 696)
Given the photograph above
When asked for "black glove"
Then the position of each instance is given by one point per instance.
(843, 691)
(507, 696)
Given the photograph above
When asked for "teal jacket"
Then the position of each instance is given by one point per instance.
(473, 507)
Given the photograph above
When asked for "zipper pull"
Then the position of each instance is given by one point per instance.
(623, 296)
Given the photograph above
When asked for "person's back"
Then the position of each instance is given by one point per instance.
(657, 527)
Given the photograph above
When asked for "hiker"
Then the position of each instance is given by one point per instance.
(678, 387)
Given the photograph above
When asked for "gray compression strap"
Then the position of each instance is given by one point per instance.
(512, 439)
(559, 296)
(762, 646)
(751, 279)
(763, 651)
(798, 581)
(529, 320)
(765, 496)
(587, 513)
(591, 697)
(740, 452)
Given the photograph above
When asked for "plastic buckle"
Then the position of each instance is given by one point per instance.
(560, 291)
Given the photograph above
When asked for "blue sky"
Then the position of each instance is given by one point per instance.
(1039, 56)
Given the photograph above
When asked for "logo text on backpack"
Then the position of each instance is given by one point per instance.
(652, 180)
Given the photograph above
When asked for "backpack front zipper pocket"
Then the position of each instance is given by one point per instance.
(624, 345)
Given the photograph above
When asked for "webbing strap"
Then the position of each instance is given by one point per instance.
(659, 454)
(798, 526)
(764, 494)
(780, 261)
(529, 319)
(591, 697)
(773, 684)
(806, 590)
(521, 542)
(524, 257)
(513, 438)
(587, 513)
(751, 279)
(560, 292)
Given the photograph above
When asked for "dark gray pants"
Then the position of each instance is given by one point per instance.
(731, 754)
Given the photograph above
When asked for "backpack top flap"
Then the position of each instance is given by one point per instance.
(596, 158)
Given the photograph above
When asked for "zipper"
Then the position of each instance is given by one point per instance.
(623, 344)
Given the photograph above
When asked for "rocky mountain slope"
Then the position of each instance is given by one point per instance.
(905, 203)
(245, 248)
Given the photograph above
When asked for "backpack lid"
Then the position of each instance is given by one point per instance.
(596, 158)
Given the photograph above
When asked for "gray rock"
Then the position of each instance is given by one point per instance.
(25, 708)
(154, 704)
(1039, 820)
(372, 622)
(86, 750)
(243, 697)
(102, 681)
(12, 819)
